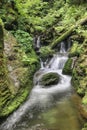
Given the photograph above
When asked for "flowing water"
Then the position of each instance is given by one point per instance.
(51, 108)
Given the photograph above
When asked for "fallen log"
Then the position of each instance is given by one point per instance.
(68, 33)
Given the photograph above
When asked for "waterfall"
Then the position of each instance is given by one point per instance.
(40, 97)
(69, 43)
(57, 62)
(42, 64)
(62, 47)
(38, 42)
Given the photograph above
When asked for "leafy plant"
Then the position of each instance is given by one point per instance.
(29, 60)
(24, 39)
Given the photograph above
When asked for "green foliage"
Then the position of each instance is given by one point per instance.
(16, 101)
(1, 23)
(75, 50)
(81, 31)
(84, 100)
(76, 1)
(24, 39)
(46, 52)
(31, 12)
(28, 61)
(26, 43)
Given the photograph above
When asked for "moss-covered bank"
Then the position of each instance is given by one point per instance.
(79, 72)
(5, 94)
(15, 76)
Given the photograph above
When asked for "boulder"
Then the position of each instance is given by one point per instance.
(48, 79)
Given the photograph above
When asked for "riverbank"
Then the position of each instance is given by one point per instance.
(16, 78)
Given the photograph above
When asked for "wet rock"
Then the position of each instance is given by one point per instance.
(49, 79)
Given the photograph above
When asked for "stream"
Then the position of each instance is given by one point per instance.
(48, 108)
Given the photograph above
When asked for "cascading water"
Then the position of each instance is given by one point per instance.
(42, 107)
(38, 42)
(62, 47)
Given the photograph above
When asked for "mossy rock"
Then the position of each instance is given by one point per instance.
(49, 79)
(68, 67)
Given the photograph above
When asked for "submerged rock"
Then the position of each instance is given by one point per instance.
(49, 79)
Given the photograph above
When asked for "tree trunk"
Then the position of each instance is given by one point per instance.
(68, 33)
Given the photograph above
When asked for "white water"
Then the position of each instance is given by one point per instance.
(62, 48)
(38, 42)
(42, 98)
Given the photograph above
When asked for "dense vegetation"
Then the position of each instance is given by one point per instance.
(49, 19)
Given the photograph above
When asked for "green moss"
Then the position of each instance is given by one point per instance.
(68, 67)
(16, 101)
(84, 100)
(5, 94)
(46, 52)
(10, 102)
(75, 50)
(10, 96)
(29, 60)
(49, 79)
(79, 75)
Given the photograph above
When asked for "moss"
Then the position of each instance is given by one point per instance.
(68, 67)
(29, 61)
(5, 94)
(79, 78)
(10, 102)
(74, 50)
(49, 79)
(14, 101)
(78, 82)
(46, 52)
(11, 96)
(85, 127)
